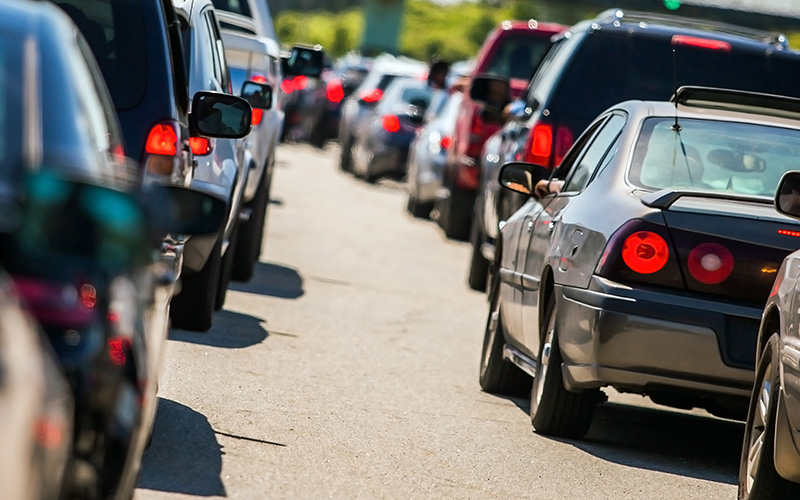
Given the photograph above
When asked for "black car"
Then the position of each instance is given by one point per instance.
(384, 135)
(78, 236)
(600, 62)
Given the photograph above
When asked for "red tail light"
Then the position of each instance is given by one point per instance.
(391, 123)
(88, 294)
(162, 140)
(710, 263)
(547, 145)
(258, 115)
(371, 96)
(258, 78)
(446, 142)
(645, 252)
(118, 348)
(300, 82)
(287, 87)
(334, 91)
(703, 43)
(787, 232)
(200, 146)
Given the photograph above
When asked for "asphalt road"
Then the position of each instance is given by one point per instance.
(348, 368)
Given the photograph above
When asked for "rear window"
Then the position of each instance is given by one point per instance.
(618, 67)
(517, 56)
(742, 158)
(115, 32)
(240, 7)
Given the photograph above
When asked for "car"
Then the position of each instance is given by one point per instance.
(428, 154)
(253, 54)
(356, 108)
(83, 243)
(769, 466)
(35, 405)
(383, 137)
(648, 269)
(574, 84)
(512, 50)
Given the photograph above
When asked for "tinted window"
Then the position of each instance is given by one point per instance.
(240, 7)
(740, 158)
(517, 56)
(11, 116)
(116, 34)
(595, 153)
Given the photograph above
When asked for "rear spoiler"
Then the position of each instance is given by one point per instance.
(666, 197)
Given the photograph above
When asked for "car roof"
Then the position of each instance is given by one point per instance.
(532, 24)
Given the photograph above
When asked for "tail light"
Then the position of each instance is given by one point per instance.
(710, 263)
(641, 252)
(371, 96)
(162, 148)
(547, 145)
(703, 43)
(53, 303)
(258, 115)
(334, 91)
(300, 82)
(258, 78)
(446, 142)
(118, 349)
(390, 123)
(287, 87)
(88, 295)
(200, 146)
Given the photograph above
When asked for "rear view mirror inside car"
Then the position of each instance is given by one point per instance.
(220, 115)
(258, 95)
(490, 91)
(306, 61)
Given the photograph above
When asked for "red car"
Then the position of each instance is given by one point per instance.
(513, 50)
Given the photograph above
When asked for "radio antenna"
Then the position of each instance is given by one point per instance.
(676, 126)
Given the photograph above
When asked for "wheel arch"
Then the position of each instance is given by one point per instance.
(546, 289)
(770, 323)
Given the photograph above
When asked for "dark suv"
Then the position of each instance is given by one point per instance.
(615, 57)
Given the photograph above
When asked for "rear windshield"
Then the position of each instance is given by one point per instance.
(517, 56)
(741, 158)
(116, 34)
(618, 67)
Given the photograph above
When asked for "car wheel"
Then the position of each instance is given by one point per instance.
(758, 479)
(226, 268)
(455, 213)
(498, 376)
(193, 308)
(478, 265)
(421, 210)
(346, 154)
(251, 234)
(555, 411)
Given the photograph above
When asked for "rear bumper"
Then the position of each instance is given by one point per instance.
(654, 342)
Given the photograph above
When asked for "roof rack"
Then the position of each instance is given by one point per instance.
(738, 100)
(778, 40)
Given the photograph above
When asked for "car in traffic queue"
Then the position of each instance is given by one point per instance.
(384, 135)
(647, 270)
(358, 108)
(36, 405)
(253, 54)
(654, 54)
(428, 154)
(769, 466)
(513, 50)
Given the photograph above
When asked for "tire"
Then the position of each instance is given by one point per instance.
(420, 210)
(455, 214)
(478, 265)
(346, 154)
(758, 479)
(498, 376)
(555, 411)
(250, 236)
(193, 308)
(226, 269)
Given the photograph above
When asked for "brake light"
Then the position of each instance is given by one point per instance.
(391, 123)
(710, 263)
(88, 295)
(703, 43)
(334, 91)
(645, 252)
(118, 349)
(540, 144)
(200, 145)
(258, 115)
(258, 78)
(162, 140)
(287, 86)
(446, 142)
(371, 96)
(300, 82)
(787, 232)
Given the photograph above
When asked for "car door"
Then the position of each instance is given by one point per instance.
(548, 239)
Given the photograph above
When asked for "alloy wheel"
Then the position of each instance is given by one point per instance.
(544, 359)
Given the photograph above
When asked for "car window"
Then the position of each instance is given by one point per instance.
(517, 56)
(219, 51)
(743, 158)
(576, 152)
(11, 113)
(551, 68)
(115, 31)
(598, 149)
(240, 7)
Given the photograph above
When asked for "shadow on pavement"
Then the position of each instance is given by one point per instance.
(231, 330)
(273, 280)
(666, 441)
(184, 456)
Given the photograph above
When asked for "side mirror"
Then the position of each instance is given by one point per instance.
(522, 177)
(787, 197)
(183, 210)
(220, 115)
(490, 91)
(306, 61)
(258, 95)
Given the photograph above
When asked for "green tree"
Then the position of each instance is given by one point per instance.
(481, 28)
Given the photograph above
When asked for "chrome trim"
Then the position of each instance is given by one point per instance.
(525, 363)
